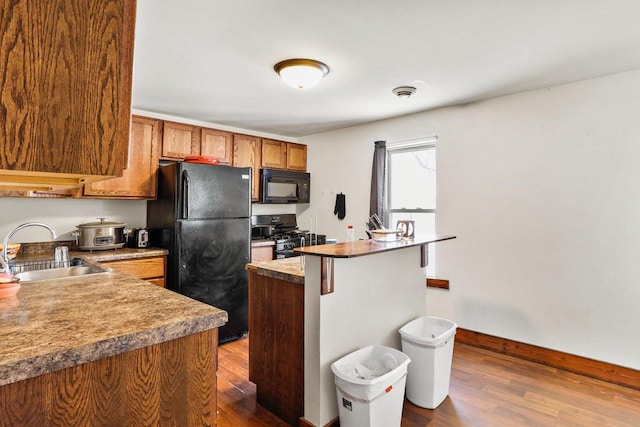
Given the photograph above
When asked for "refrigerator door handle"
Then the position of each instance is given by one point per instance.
(185, 194)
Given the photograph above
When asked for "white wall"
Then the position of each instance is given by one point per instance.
(64, 215)
(542, 190)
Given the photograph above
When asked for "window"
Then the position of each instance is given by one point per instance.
(411, 188)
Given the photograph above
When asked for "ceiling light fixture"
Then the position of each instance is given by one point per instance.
(404, 92)
(301, 73)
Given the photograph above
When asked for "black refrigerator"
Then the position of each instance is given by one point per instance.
(203, 217)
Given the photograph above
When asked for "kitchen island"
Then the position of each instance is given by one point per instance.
(107, 349)
(276, 337)
(349, 296)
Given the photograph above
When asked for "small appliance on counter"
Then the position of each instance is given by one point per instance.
(283, 230)
(100, 235)
(138, 238)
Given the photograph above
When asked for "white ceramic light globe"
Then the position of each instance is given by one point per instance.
(301, 76)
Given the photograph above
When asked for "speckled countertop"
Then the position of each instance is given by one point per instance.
(285, 269)
(56, 324)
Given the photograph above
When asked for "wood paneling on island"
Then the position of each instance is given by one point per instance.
(171, 383)
(276, 348)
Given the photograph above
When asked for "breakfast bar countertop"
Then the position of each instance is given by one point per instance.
(56, 324)
(369, 247)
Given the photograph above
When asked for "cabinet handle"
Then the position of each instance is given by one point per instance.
(185, 194)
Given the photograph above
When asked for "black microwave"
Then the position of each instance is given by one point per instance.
(279, 186)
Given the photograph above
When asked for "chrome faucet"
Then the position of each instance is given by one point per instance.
(5, 243)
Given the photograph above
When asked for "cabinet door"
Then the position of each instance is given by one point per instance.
(246, 152)
(139, 179)
(66, 78)
(179, 141)
(296, 157)
(274, 154)
(217, 143)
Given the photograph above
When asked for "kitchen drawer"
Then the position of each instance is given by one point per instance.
(151, 269)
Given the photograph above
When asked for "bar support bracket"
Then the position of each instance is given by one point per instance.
(326, 275)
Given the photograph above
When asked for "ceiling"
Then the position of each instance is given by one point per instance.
(212, 60)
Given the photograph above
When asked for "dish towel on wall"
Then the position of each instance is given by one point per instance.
(341, 206)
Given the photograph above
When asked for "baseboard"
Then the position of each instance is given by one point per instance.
(333, 423)
(580, 365)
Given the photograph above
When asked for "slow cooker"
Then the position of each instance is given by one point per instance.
(101, 235)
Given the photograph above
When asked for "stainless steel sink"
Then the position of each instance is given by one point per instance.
(60, 273)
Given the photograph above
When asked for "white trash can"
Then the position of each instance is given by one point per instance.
(370, 387)
(428, 341)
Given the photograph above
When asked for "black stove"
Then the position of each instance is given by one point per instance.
(283, 230)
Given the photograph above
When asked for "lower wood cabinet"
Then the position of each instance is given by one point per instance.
(151, 269)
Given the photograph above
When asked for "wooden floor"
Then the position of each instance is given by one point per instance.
(487, 389)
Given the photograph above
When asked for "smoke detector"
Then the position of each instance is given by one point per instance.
(404, 92)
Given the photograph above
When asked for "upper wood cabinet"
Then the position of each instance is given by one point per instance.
(274, 154)
(139, 179)
(217, 143)
(283, 155)
(296, 157)
(66, 75)
(180, 140)
(246, 152)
